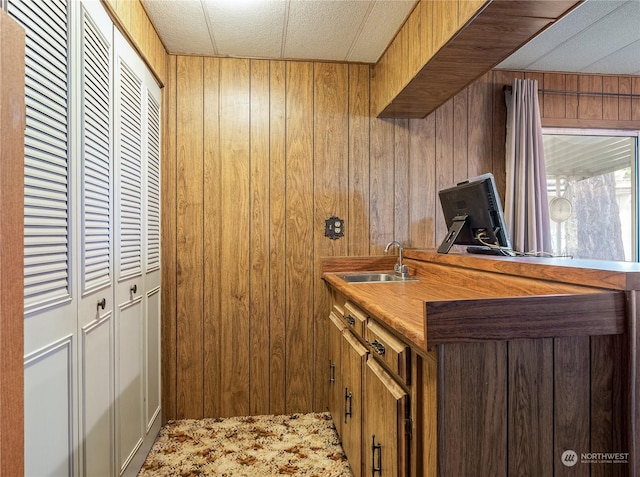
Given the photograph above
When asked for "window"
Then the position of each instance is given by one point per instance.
(592, 182)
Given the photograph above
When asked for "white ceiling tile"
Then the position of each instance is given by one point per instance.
(247, 29)
(625, 61)
(384, 20)
(323, 29)
(182, 26)
(609, 34)
(577, 21)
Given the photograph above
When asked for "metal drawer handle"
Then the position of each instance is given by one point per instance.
(347, 410)
(102, 303)
(378, 347)
(350, 319)
(134, 288)
(376, 469)
(332, 373)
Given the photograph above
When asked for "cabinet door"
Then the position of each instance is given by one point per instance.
(353, 357)
(385, 439)
(336, 392)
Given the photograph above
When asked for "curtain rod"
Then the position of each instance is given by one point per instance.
(507, 87)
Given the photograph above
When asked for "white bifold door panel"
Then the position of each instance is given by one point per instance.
(137, 287)
(92, 244)
(50, 300)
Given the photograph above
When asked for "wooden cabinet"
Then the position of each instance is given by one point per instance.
(385, 421)
(370, 405)
(446, 44)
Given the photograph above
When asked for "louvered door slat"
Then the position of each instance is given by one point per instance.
(96, 147)
(130, 160)
(46, 152)
(153, 184)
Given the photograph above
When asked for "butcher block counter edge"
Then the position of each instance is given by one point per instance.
(419, 314)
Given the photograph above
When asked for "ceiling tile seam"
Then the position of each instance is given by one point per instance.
(365, 17)
(285, 29)
(586, 68)
(209, 27)
(576, 34)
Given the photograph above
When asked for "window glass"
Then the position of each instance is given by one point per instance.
(591, 182)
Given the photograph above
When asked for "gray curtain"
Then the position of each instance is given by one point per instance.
(526, 203)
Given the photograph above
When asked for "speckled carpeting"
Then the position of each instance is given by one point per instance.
(303, 445)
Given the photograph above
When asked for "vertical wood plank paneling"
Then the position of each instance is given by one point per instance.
(331, 175)
(475, 375)
(461, 135)
(480, 128)
(554, 103)
(427, 48)
(445, 21)
(500, 78)
(624, 103)
(530, 449)
(401, 180)
(601, 393)
(635, 100)
(299, 230)
(415, 32)
(625, 390)
(169, 244)
(358, 216)
(234, 242)
(444, 154)
(571, 100)
(610, 108)
(189, 222)
(259, 239)
(211, 237)
(422, 185)
(571, 401)
(590, 105)
(382, 184)
(277, 222)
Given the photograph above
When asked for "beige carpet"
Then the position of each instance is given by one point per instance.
(299, 444)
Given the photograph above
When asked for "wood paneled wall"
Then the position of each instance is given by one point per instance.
(258, 154)
(584, 101)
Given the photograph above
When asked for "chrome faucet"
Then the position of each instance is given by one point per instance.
(399, 268)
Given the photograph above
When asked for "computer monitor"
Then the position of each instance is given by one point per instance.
(474, 216)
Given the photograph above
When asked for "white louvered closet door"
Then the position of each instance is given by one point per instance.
(137, 237)
(95, 273)
(50, 303)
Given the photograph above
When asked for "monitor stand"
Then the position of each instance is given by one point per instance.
(452, 234)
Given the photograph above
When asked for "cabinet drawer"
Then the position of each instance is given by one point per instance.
(356, 318)
(389, 349)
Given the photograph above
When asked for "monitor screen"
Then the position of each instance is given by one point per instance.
(474, 217)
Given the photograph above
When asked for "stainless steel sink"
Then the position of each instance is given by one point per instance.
(375, 277)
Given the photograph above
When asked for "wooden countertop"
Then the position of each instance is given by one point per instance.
(465, 298)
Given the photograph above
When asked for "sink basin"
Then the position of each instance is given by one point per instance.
(375, 277)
